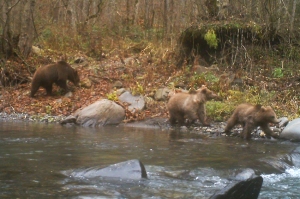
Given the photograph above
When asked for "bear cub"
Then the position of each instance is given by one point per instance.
(250, 117)
(57, 73)
(190, 106)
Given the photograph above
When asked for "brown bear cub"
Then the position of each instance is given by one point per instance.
(57, 73)
(190, 106)
(250, 117)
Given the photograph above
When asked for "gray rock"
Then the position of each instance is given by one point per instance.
(136, 103)
(117, 84)
(162, 94)
(120, 91)
(150, 123)
(100, 113)
(86, 83)
(292, 130)
(79, 60)
(69, 119)
(131, 169)
(283, 121)
(68, 94)
(36, 50)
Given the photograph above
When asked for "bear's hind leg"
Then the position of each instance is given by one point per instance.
(180, 118)
(247, 130)
(48, 89)
(230, 124)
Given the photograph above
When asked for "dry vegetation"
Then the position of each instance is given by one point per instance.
(123, 41)
(143, 72)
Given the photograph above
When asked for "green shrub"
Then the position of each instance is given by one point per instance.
(277, 73)
(138, 89)
(219, 111)
(211, 38)
(112, 96)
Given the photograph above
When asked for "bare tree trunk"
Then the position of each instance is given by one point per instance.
(146, 15)
(165, 17)
(9, 42)
(18, 27)
(27, 33)
(71, 15)
(171, 17)
(293, 17)
(136, 12)
(127, 14)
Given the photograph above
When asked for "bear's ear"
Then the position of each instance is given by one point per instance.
(263, 109)
(203, 90)
(196, 101)
(192, 91)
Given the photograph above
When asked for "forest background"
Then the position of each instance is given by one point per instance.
(251, 52)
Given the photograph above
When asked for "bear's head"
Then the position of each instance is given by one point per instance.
(204, 94)
(266, 115)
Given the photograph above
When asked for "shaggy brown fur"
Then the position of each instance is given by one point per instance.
(57, 73)
(190, 106)
(250, 117)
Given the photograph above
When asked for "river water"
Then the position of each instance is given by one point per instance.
(34, 158)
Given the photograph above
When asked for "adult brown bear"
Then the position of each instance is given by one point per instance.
(190, 106)
(251, 116)
(57, 73)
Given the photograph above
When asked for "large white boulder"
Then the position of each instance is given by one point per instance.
(100, 113)
(292, 130)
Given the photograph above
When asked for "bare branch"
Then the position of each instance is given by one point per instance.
(99, 9)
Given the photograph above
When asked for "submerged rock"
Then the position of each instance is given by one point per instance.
(131, 169)
(295, 157)
(245, 186)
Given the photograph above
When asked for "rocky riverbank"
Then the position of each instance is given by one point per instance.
(216, 128)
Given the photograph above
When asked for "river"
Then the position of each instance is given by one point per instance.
(35, 156)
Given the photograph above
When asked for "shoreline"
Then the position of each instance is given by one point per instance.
(41, 118)
(215, 130)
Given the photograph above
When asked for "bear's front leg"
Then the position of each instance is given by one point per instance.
(266, 129)
(172, 120)
(202, 115)
(63, 85)
(34, 89)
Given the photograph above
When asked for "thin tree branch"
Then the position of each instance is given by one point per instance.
(99, 9)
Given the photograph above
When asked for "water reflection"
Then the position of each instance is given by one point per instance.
(179, 165)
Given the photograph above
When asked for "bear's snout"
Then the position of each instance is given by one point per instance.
(276, 121)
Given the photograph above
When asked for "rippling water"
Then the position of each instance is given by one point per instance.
(34, 158)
